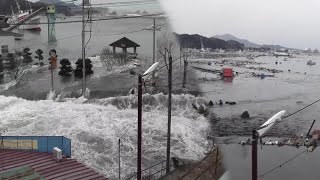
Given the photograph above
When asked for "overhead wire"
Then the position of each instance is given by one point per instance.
(274, 122)
(93, 20)
(285, 162)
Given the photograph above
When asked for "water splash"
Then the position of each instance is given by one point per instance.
(6, 86)
(51, 95)
(95, 128)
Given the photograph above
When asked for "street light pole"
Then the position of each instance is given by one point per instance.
(83, 52)
(139, 126)
(169, 115)
(255, 137)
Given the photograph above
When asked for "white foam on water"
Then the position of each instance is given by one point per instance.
(96, 126)
(51, 95)
(6, 86)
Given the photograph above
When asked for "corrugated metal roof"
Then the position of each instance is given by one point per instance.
(46, 166)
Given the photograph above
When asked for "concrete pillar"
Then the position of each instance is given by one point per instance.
(135, 50)
(114, 49)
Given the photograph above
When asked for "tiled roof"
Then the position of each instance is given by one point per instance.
(47, 166)
(124, 43)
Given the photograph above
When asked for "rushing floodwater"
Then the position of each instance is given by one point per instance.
(96, 126)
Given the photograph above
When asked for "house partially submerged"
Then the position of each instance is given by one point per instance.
(125, 43)
(7, 41)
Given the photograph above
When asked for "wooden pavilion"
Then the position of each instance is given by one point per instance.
(124, 43)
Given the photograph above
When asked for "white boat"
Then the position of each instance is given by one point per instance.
(158, 28)
(32, 24)
(311, 63)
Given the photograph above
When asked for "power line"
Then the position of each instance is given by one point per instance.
(285, 162)
(100, 19)
(49, 41)
(137, 3)
(290, 114)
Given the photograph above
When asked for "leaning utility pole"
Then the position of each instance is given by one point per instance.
(185, 64)
(154, 41)
(169, 114)
(83, 51)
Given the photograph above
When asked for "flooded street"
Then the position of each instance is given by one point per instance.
(263, 98)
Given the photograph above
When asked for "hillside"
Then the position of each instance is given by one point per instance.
(194, 41)
(63, 7)
(249, 44)
(245, 42)
(5, 6)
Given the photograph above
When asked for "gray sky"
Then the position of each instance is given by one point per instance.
(291, 23)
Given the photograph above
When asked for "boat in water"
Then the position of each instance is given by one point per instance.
(311, 63)
(33, 24)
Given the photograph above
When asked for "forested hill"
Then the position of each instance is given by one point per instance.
(194, 41)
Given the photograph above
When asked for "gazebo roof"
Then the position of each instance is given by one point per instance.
(124, 43)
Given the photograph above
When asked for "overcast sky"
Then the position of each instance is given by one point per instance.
(291, 23)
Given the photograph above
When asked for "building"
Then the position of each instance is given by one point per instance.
(7, 41)
(42, 158)
(124, 43)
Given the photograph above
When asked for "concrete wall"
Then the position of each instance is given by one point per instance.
(7, 40)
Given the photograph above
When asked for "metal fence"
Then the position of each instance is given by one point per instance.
(156, 171)
(37, 143)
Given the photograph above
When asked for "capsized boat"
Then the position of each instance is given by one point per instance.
(311, 63)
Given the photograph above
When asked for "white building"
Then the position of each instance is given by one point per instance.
(7, 41)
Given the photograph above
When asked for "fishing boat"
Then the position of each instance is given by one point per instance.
(33, 24)
(311, 63)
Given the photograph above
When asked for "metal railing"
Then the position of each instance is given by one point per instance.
(156, 171)
(215, 164)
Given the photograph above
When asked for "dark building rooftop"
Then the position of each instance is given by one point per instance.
(38, 165)
(124, 43)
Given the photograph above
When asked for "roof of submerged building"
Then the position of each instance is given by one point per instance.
(18, 164)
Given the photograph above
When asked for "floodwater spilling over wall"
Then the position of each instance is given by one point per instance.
(96, 126)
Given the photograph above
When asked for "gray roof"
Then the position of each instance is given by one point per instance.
(6, 33)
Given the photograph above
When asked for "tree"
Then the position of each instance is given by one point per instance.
(39, 56)
(12, 61)
(111, 59)
(166, 45)
(107, 58)
(65, 69)
(18, 70)
(1, 67)
(1, 63)
(26, 56)
(88, 68)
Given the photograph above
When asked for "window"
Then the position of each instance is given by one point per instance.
(5, 49)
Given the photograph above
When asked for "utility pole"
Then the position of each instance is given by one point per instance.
(180, 55)
(169, 114)
(83, 52)
(254, 158)
(154, 41)
(185, 64)
(139, 126)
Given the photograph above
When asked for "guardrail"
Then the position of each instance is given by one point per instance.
(37, 143)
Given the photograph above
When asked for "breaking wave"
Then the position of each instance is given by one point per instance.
(96, 126)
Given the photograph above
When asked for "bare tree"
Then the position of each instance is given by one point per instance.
(18, 71)
(166, 45)
(107, 58)
(111, 59)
